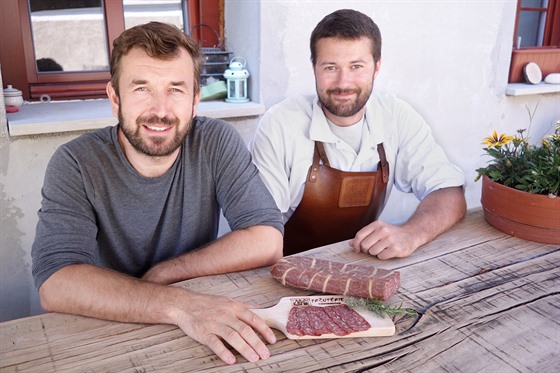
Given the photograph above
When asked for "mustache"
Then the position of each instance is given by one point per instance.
(338, 91)
(154, 119)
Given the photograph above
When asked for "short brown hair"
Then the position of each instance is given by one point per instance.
(347, 24)
(159, 40)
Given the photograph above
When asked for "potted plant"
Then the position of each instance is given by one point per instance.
(521, 184)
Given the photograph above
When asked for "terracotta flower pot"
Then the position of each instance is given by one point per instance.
(533, 217)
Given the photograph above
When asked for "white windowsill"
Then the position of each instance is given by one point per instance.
(56, 116)
(522, 89)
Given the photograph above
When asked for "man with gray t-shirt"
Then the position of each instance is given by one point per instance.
(128, 210)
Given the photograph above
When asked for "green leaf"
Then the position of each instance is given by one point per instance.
(495, 175)
(378, 307)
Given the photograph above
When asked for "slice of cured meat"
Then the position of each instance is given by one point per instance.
(305, 322)
(325, 276)
(356, 323)
(335, 326)
(338, 319)
(294, 322)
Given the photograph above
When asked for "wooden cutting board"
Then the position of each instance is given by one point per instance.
(277, 317)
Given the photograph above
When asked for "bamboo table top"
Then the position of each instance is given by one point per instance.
(486, 302)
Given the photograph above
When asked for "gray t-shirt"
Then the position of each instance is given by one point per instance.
(97, 209)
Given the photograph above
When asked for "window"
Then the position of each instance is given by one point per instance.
(537, 24)
(536, 38)
(62, 48)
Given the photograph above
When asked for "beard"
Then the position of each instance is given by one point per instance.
(154, 146)
(346, 108)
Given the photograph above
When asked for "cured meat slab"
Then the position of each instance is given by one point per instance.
(330, 277)
(277, 317)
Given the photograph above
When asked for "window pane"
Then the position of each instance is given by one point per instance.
(137, 12)
(69, 35)
(531, 28)
(534, 3)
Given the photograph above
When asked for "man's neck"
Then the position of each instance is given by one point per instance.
(352, 135)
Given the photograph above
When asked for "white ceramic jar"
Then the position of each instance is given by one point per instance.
(13, 96)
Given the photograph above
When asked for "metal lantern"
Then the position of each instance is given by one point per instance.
(236, 77)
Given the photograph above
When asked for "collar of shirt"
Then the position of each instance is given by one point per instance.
(319, 129)
(340, 154)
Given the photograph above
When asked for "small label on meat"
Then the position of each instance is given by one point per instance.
(336, 319)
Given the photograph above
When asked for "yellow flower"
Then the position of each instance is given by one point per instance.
(494, 140)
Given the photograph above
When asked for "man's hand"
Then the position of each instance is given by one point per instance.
(435, 214)
(384, 241)
(93, 291)
(213, 320)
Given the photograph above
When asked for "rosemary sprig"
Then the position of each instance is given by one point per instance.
(378, 307)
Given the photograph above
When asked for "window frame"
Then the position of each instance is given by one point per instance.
(19, 67)
(551, 36)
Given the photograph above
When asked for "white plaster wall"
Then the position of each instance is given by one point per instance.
(449, 59)
(24, 161)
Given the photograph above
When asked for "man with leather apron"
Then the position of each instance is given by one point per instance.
(335, 204)
(331, 161)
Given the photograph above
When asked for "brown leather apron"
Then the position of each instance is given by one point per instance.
(335, 204)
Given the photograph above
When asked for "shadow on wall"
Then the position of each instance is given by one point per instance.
(12, 276)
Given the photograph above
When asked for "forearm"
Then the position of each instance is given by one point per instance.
(212, 320)
(238, 250)
(435, 214)
(101, 293)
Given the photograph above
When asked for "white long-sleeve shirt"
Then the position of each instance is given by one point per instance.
(283, 145)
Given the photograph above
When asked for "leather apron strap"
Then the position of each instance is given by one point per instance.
(335, 204)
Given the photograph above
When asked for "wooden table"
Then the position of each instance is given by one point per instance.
(486, 302)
